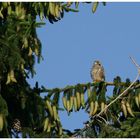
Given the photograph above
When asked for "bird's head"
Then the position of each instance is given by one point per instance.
(97, 62)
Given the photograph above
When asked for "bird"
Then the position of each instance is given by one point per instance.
(97, 72)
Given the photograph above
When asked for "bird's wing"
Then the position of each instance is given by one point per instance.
(101, 73)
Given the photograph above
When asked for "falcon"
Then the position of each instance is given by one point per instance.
(97, 72)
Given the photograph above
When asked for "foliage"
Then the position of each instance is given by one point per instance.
(23, 111)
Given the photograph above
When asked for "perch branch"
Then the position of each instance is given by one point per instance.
(44, 90)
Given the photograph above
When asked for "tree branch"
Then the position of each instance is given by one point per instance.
(44, 90)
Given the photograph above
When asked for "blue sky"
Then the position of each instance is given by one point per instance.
(70, 46)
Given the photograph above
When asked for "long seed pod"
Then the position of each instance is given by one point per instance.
(64, 100)
(25, 43)
(89, 99)
(68, 105)
(101, 97)
(94, 7)
(41, 11)
(49, 127)
(89, 91)
(102, 106)
(137, 101)
(129, 109)
(36, 50)
(91, 108)
(52, 8)
(46, 122)
(49, 107)
(30, 51)
(95, 108)
(139, 97)
(75, 103)
(8, 79)
(12, 77)
(60, 130)
(70, 98)
(78, 100)
(71, 102)
(1, 122)
(57, 14)
(82, 99)
(55, 112)
(124, 108)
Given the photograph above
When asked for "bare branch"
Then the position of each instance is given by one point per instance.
(135, 62)
(103, 119)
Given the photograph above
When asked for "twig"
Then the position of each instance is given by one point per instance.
(103, 119)
(138, 67)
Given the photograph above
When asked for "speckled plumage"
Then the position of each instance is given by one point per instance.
(97, 72)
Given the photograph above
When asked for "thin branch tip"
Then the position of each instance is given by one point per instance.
(134, 62)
